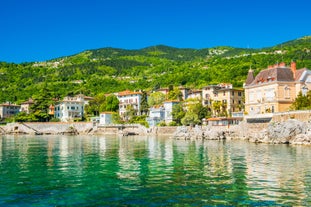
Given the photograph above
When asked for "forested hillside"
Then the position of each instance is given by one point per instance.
(110, 70)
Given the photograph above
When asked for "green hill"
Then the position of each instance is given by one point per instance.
(109, 70)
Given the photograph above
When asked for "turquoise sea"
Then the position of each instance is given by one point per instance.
(151, 171)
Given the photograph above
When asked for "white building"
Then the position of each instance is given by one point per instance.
(8, 109)
(70, 108)
(105, 118)
(129, 98)
(168, 106)
(156, 115)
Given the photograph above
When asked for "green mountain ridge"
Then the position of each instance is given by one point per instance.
(108, 70)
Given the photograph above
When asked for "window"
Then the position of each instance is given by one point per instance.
(232, 93)
(224, 93)
(239, 93)
(304, 90)
(286, 92)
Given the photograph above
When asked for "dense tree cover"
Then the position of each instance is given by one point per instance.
(111, 70)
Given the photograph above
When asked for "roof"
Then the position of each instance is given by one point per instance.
(9, 104)
(30, 101)
(171, 101)
(128, 92)
(273, 75)
(107, 112)
(224, 118)
(299, 73)
(250, 77)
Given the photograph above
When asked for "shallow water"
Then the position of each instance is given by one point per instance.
(151, 171)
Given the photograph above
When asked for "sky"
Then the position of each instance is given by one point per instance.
(39, 30)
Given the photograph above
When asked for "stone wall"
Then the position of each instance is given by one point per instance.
(167, 130)
(304, 115)
(47, 128)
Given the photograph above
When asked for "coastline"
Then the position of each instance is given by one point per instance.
(284, 128)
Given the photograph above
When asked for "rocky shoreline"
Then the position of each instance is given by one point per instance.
(291, 131)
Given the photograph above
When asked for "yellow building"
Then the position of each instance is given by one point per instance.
(275, 88)
(231, 98)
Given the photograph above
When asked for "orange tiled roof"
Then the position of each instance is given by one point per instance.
(128, 92)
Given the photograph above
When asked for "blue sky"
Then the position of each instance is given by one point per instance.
(38, 30)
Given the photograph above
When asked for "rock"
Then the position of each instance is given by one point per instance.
(301, 139)
(285, 131)
(198, 132)
(70, 131)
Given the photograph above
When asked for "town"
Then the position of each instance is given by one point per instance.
(272, 90)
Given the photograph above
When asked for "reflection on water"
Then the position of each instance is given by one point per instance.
(151, 171)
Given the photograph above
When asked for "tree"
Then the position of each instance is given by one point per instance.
(129, 113)
(144, 104)
(302, 102)
(42, 102)
(216, 105)
(175, 94)
(111, 103)
(96, 105)
(178, 113)
(156, 98)
(190, 119)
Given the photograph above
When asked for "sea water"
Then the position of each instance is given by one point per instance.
(151, 171)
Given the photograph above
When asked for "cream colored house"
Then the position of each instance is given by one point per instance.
(231, 97)
(25, 106)
(275, 88)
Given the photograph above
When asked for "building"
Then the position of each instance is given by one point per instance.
(105, 118)
(168, 107)
(8, 110)
(231, 98)
(70, 108)
(129, 98)
(184, 91)
(274, 89)
(195, 94)
(25, 106)
(224, 121)
(156, 115)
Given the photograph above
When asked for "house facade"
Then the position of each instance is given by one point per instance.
(274, 89)
(231, 98)
(195, 94)
(70, 108)
(129, 98)
(168, 107)
(105, 118)
(25, 106)
(156, 115)
(8, 110)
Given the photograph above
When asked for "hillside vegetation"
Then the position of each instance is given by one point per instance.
(110, 70)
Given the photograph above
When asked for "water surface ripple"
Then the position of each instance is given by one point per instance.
(151, 171)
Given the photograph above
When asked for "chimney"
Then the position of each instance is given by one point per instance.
(293, 68)
(282, 64)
